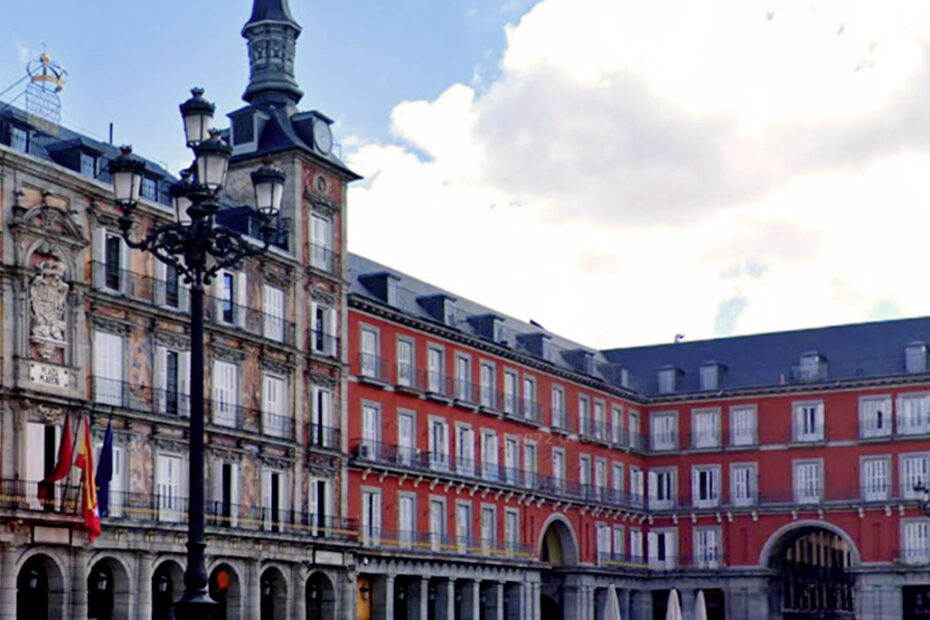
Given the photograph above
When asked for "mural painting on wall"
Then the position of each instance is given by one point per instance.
(48, 294)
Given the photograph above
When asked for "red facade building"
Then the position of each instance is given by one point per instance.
(498, 469)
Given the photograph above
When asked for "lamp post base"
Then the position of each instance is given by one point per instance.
(196, 606)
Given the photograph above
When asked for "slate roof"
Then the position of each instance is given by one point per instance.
(57, 148)
(855, 351)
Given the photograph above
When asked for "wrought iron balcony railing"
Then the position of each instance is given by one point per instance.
(429, 542)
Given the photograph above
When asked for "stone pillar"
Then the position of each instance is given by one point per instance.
(300, 592)
(419, 606)
(384, 603)
(144, 586)
(498, 601)
(686, 595)
(446, 600)
(253, 591)
(641, 606)
(534, 605)
(8, 584)
(623, 597)
(79, 571)
(571, 602)
(471, 600)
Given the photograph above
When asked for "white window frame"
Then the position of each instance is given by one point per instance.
(274, 306)
(406, 364)
(738, 480)
(616, 424)
(530, 463)
(558, 407)
(465, 449)
(915, 541)
(225, 393)
(438, 454)
(744, 425)
(808, 419)
(807, 481)
(513, 540)
(407, 532)
(490, 455)
(664, 480)
(669, 547)
(369, 351)
(321, 242)
(875, 477)
(323, 332)
(436, 369)
(705, 424)
(663, 430)
(913, 415)
(109, 368)
(489, 535)
(161, 380)
(913, 470)
(711, 477)
(488, 380)
(438, 521)
(372, 516)
(274, 404)
(707, 546)
(875, 416)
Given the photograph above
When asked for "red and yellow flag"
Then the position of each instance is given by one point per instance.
(85, 461)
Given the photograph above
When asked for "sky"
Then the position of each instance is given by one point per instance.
(618, 171)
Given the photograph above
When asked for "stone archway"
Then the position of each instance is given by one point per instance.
(225, 590)
(40, 589)
(167, 586)
(558, 547)
(108, 590)
(812, 562)
(273, 596)
(321, 598)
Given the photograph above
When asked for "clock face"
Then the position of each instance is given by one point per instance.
(322, 136)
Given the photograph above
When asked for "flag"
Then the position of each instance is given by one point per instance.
(105, 471)
(62, 467)
(85, 461)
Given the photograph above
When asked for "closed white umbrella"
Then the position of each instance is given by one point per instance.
(612, 606)
(673, 611)
(700, 607)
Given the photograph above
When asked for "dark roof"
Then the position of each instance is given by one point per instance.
(275, 10)
(512, 333)
(856, 351)
(65, 146)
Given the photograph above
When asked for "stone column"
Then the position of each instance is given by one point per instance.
(300, 592)
(687, 602)
(422, 590)
(388, 597)
(252, 593)
(571, 602)
(144, 586)
(471, 600)
(623, 596)
(8, 584)
(642, 606)
(447, 600)
(499, 600)
(79, 571)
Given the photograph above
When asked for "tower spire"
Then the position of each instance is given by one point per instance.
(272, 35)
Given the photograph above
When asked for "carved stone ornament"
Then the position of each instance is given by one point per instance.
(49, 414)
(48, 294)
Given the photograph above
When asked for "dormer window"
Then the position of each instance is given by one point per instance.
(667, 379)
(149, 189)
(440, 307)
(19, 139)
(813, 367)
(915, 357)
(383, 285)
(710, 376)
(545, 349)
(88, 165)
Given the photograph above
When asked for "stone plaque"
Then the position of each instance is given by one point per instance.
(49, 375)
(51, 535)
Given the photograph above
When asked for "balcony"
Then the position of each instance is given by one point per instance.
(63, 501)
(323, 344)
(324, 437)
(445, 544)
(174, 297)
(373, 369)
(170, 510)
(561, 422)
(322, 258)
(705, 440)
(174, 404)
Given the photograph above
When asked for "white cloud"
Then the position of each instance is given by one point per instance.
(639, 166)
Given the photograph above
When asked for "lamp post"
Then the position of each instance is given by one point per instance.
(198, 247)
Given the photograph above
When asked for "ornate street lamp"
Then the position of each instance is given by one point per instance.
(198, 247)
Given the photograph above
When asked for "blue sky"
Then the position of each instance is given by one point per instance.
(132, 62)
(622, 171)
